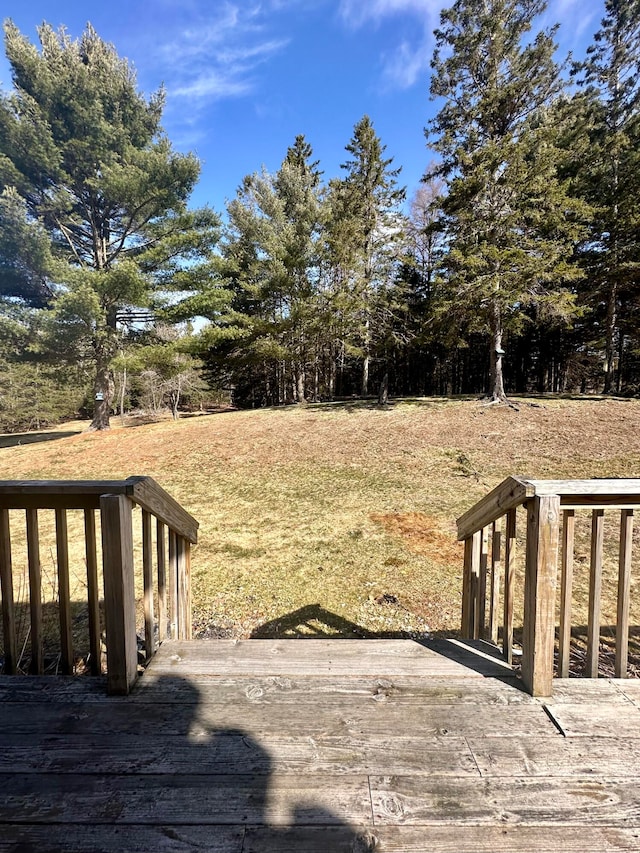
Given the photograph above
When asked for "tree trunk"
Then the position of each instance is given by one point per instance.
(610, 332)
(301, 390)
(383, 395)
(102, 398)
(496, 393)
(367, 359)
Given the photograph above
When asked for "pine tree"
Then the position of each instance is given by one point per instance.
(367, 229)
(611, 170)
(86, 152)
(509, 218)
(271, 265)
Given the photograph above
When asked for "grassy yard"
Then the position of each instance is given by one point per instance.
(344, 513)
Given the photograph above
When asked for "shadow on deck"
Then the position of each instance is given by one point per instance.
(330, 745)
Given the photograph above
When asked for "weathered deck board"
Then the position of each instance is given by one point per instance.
(318, 746)
(435, 839)
(113, 839)
(320, 839)
(259, 690)
(224, 754)
(557, 801)
(351, 718)
(321, 799)
(596, 719)
(330, 657)
(532, 756)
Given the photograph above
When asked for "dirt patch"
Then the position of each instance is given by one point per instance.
(423, 534)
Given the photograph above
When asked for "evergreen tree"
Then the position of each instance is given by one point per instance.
(25, 256)
(366, 233)
(271, 263)
(85, 151)
(509, 218)
(611, 174)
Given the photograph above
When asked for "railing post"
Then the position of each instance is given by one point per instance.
(541, 567)
(466, 628)
(119, 592)
(8, 611)
(509, 584)
(184, 588)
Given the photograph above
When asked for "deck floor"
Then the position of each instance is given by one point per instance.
(322, 745)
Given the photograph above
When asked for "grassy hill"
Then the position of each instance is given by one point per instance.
(341, 506)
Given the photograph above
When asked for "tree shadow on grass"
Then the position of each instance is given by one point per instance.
(21, 438)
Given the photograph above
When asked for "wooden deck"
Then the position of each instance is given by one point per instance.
(321, 745)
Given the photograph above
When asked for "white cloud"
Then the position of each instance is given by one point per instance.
(356, 12)
(214, 55)
(406, 62)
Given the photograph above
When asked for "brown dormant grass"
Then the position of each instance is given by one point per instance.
(344, 510)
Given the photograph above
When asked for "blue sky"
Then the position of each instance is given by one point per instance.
(244, 78)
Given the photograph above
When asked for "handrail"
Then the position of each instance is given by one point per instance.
(85, 494)
(115, 500)
(551, 506)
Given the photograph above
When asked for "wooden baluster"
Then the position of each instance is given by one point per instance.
(119, 592)
(64, 596)
(595, 591)
(476, 556)
(93, 596)
(541, 570)
(624, 588)
(184, 588)
(173, 582)
(466, 628)
(161, 547)
(481, 617)
(8, 610)
(147, 574)
(35, 591)
(496, 547)
(566, 587)
(509, 584)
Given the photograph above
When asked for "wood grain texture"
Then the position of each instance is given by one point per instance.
(436, 839)
(281, 690)
(161, 554)
(624, 590)
(351, 718)
(510, 494)
(600, 720)
(331, 658)
(509, 584)
(230, 750)
(323, 799)
(494, 586)
(147, 582)
(534, 801)
(438, 759)
(93, 592)
(466, 627)
(566, 591)
(119, 596)
(539, 594)
(35, 591)
(69, 838)
(555, 757)
(319, 839)
(595, 593)
(10, 652)
(64, 594)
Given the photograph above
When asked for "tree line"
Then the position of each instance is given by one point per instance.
(513, 267)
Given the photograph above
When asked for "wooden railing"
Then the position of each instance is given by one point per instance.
(168, 611)
(488, 530)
